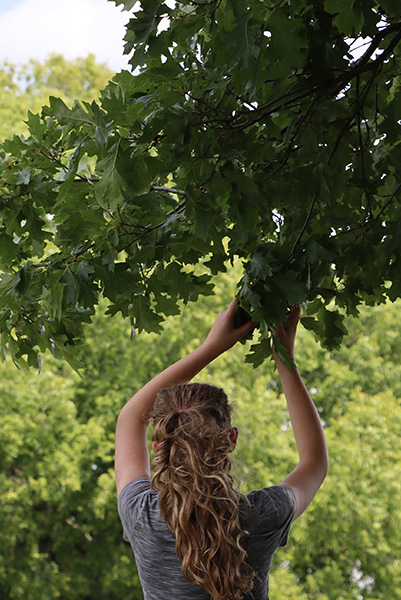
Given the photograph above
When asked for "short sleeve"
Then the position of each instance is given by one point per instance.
(130, 502)
(285, 504)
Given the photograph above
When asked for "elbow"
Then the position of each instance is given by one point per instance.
(325, 470)
(324, 464)
(121, 415)
(123, 418)
(318, 464)
(321, 460)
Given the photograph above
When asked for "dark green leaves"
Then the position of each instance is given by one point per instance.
(248, 133)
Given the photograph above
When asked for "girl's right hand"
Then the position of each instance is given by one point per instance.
(286, 333)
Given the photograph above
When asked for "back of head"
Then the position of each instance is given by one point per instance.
(197, 493)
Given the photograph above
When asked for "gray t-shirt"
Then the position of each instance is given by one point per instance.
(159, 568)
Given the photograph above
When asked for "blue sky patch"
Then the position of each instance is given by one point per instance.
(9, 4)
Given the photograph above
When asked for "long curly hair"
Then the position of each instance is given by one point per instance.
(198, 496)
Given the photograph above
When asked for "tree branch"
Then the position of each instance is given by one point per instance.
(362, 61)
(379, 214)
(362, 65)
(304, 226)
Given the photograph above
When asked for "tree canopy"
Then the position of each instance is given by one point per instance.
(246, 130)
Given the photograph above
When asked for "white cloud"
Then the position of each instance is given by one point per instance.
(74, 28)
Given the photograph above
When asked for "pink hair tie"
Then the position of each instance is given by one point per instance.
(182, 410)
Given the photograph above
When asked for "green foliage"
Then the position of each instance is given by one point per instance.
(249, 136)
(353, 520)
(247, 131)
(58, 494)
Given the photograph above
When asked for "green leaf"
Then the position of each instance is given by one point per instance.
(259, 266)
(126, 4)
(8, 250)
(8, 282)
(110, 189)
(24, 177)
(286, 42)
(348, 15)
(58, 109)
(56, 295)
(123, 281)
(312, 324)
(334, 328)
(85, 270)
(258, 353)
(37, 127)
(143, 24)
(144, 316)
(69, 278)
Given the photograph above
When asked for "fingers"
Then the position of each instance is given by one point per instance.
(294, 315)
(246, 328)
(295, 312)
(231, 308)
(240, 329)
(292, 318)
(287, 329)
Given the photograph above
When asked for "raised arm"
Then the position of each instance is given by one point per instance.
(308, 475)
(131, 453)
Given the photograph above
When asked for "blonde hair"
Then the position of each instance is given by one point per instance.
(198, 496)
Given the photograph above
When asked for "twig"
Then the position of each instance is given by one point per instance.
(362, 61)
(304, 226)
(367, 226)
(293, 138)
(177, 210)
(379, 214)
(334, 87)
(362, 150)
(158, 188)
(350, 121)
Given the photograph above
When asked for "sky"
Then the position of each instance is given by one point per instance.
(74, 28)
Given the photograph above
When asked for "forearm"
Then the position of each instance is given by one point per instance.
(132, 454)
(306, 424)
(221, 337)
(141, 404)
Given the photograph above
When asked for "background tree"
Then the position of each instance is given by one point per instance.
(60, 529)
(28, 87)
(248, 130)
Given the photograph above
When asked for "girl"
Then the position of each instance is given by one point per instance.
(194, 535)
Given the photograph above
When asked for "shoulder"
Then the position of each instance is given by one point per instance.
(272, 513)
(134, 495)
(135, 487)
(278, 501)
